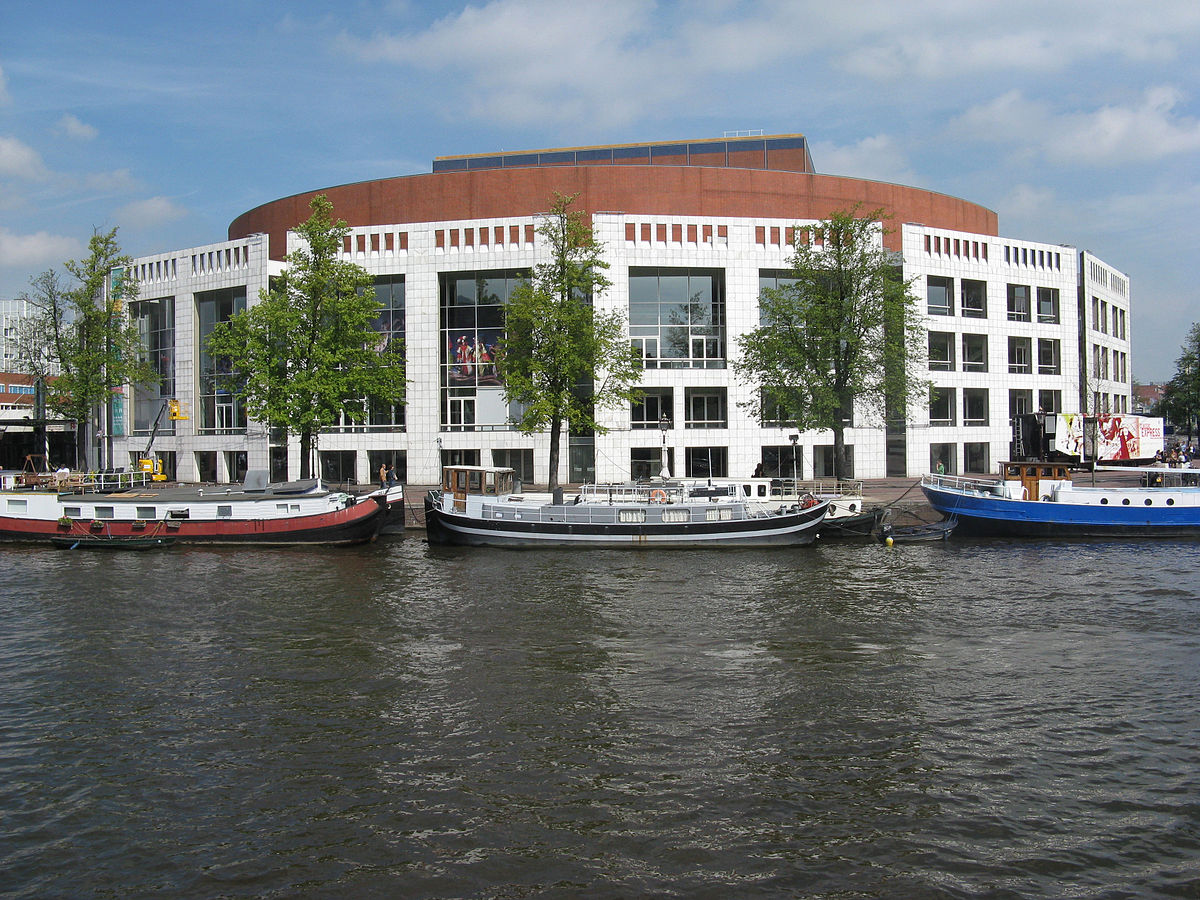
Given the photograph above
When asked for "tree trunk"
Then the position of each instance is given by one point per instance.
(555, 436)
(305, 455)
(840, 463)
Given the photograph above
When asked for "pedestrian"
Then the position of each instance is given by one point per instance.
(941, 468)
(391, 476)
(383, 475)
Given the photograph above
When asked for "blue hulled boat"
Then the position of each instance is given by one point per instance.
(1039, 499)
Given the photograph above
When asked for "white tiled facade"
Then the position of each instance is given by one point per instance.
(730, 252)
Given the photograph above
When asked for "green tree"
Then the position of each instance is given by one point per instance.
(308, 352)
(1180, 401)
(842, 329)
(561, 360)
(78, 339)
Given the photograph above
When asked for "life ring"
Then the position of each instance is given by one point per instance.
(657, 496)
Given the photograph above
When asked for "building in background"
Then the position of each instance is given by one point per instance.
(692, 232)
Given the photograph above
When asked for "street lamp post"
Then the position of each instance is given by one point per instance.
(664, 424)
(795, 439)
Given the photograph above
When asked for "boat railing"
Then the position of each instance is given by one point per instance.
(959, 483)
(99, 482)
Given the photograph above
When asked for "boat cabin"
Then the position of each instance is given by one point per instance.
(485, 481)
(1034, 480)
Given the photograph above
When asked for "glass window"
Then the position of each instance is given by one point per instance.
(1018, 303)
(1050, 401)
(221, 411)
(975, 406)
(1020, 402)
(974, 298)
(974, 358)
(941, 351)
(705, 408)
(646, 462)
(651, 406)
(1020, 355)
(939, 293)
(1049, 362)
(155, 322)
(677, 317)
(943, 456)
(706, 462)
(1047, 305)
(975, 457)
(472, 325)
(941, 406)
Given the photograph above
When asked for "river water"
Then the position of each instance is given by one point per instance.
(982, 719)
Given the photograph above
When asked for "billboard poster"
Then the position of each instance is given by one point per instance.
(1109, 438)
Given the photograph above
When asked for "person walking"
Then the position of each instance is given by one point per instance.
(383, 471)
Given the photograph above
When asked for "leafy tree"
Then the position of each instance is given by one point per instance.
(78, 339)
(842, 329)
(1181, 395)
(556, 345)
(308, 353)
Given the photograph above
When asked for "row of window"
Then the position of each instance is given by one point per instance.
(646, 233)
(1100, 363)
(1024, 256)
(1100, 318)
(1107, 279)
(975, 405)
(381, 242)
(936, 245)
(443, 237)
(942, 346)
(939, 295)
(703, 408)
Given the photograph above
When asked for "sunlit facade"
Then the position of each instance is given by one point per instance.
(692, 231)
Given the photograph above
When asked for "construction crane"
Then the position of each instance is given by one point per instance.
(148, 462)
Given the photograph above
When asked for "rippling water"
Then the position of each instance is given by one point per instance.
(972, 720)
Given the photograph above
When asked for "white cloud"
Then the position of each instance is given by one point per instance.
(116, 180)
(878, 158)
(150, 212)
(1143, 130)
(32, 250)
(19, 160)
(73, 128)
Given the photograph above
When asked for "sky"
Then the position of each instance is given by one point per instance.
(1077, 122)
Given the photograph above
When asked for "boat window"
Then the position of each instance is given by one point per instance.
(1047, 472)
(18, 505)
(74, 512)
(677, 515)
(476, 481)
(723, 514)
(1031, 471)
(224, 512)
(145, 512)
(179, 513)
(631, 515)
(1014, 471)
(105, 512)
(281, 508)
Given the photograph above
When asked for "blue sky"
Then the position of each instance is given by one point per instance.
(1077, 122)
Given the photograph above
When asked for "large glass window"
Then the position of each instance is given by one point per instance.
(1050, 401)
(1020, 402)
(1018, 303)
(646, 462)
(941, 351)
(975, 406)
(975, 457)
(974, 298)
(651, 405)
(1020, 355)
(939, 294)
(941, 406)
(1047, 305)
(389, 294)
(472, 325)
(221, 411)
(705, 408)
(974, 353)
(1049, 361)
(677, 317)
(706, 462)
(155, 322)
